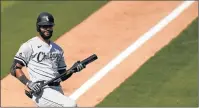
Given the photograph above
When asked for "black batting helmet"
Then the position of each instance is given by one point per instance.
(44, 18)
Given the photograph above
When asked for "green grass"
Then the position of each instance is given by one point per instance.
(168, 79)
(6, 4)
(18, 23)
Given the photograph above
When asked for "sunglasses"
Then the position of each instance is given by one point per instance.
(46, 26)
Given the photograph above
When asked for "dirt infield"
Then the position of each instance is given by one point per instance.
(107, 33)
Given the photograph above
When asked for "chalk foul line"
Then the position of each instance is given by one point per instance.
(132, 48)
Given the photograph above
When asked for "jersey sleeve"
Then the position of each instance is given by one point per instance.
(61, 63)
(23, 54)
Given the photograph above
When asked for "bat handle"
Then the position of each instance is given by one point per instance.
(29, 93)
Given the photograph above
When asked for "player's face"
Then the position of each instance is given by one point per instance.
(47, 30)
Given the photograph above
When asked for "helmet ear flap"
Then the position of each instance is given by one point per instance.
(38, 28)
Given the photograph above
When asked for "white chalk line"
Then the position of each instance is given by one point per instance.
(132, 48)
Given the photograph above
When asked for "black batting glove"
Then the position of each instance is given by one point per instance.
(78, 66)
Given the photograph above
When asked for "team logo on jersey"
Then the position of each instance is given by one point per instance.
(39, 46)
(21, 55)
(49, 56)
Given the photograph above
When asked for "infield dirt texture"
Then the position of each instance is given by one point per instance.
(161, 72)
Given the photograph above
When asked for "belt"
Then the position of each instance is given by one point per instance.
(54, 84)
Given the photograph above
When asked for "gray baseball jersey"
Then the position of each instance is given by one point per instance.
(42, 60)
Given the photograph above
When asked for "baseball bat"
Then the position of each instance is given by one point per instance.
(71, 70)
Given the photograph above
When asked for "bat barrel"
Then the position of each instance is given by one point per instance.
(89, 59)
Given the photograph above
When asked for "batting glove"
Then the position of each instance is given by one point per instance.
(34, 86)
(78, 66)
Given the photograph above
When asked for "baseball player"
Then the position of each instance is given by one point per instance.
(44, 61)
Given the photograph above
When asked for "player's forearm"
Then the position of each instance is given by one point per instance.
(16, 71)
(20, 75)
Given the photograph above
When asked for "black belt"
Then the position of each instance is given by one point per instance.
(54, 84)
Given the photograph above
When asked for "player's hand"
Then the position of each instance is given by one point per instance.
(35, 86)
(78, 66)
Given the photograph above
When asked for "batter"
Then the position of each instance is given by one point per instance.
(44, 60)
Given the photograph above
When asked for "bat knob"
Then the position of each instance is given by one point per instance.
(28, 93)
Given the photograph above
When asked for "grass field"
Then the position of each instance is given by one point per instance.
(6, 4)
(18, 22)
(167, 79)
